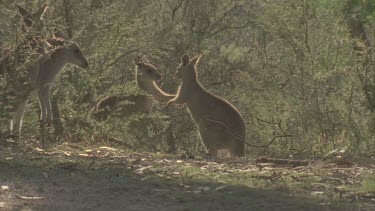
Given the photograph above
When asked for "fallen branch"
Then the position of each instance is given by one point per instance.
(121, 142)
(30, 197)
(283, 161)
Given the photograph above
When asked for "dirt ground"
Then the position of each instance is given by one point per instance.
(72, 177)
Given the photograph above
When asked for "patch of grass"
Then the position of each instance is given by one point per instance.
(368, 185)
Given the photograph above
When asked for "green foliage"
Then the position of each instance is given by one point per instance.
(289, 66)
(368, 185)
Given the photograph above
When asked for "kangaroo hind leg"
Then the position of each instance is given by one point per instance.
(215, 137)
(45, 106)
(16, 122)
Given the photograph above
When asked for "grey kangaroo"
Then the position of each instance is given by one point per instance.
(146, 76)
(32, 25)
(43, 74)
(221, 127)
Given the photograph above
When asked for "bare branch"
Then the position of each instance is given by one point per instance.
(122, 55)
(226, 28)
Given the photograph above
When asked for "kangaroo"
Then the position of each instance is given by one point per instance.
(146, 81)
(32, 19)
(146, 76)
(220, 125)
(43, 73)
(32, 25)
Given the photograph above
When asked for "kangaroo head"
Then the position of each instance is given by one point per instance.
(67, 50)
(187, 69)
(73, 54)
(30, 20)
(146, 71)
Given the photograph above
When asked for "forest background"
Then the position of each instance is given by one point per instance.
(297, 67)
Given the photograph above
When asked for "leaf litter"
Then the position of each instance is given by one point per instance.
(321, 179)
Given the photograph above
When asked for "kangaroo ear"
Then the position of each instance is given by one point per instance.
(59, 34)
(23, 12)
(185, 59)
(195, 60)
(40, 12)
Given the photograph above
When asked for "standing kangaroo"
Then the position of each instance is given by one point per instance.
(43, 74)
(146, 76)
(221, 127)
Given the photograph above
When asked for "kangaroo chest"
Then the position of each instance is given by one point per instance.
(204, 106)
(47, 73)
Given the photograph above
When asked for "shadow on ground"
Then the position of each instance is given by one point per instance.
(100, 184)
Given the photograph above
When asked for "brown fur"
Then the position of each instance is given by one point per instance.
(146, 76)
(220, 125)
(42, 75)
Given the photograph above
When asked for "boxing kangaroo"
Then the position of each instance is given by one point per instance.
(146, 76)
(221, 127)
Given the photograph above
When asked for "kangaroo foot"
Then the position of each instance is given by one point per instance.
(43, 124)
(8, 137)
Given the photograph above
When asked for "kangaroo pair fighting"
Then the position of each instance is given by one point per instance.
(221, 128)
